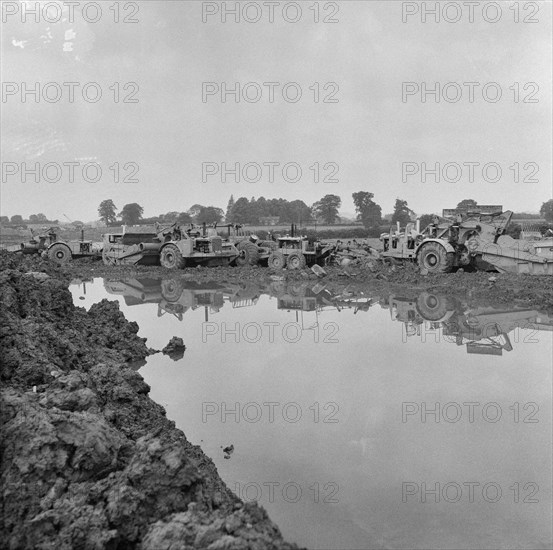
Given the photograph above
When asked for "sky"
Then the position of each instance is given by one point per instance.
(161, 134)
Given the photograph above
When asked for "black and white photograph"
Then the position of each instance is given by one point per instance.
(276, 275)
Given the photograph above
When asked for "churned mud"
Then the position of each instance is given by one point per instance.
(88, 459)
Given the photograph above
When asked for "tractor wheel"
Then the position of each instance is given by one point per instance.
(171, 257)
(432, 307)
(296, 260)
(276, 260)
(268, 244)
(60, 253)
(435, 258)
(249, 253)
(171, 289)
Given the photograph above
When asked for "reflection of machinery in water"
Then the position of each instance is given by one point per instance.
(177, 296)
(484, 330)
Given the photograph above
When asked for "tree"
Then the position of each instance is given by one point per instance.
(4, 219)
(195, 210)
(106, 211)
(210, 214)
(38, 218)
(184, 217)
(16, 219)
(546, 211)
(170, 217)
(425, 220)
(402, 213)
(241, 211)
(131, 213)
(467, 205)
(230, 205)
(368, 212)
(327, 208)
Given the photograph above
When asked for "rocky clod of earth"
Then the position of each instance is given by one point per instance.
(88, 460)
(175, 348)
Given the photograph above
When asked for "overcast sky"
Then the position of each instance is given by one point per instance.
(367, 133)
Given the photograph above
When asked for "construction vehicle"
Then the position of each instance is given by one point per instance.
(471, 240)
(49, 245)
(174, 247)
(251, 249)
(483, 330)
(296, 252)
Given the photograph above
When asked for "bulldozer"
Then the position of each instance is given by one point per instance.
(173, 246)
(472, 240)
(49, 245)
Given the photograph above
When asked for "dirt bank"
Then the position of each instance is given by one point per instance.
(88, 459)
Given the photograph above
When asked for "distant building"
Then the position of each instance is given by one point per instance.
(269, 220)
(482, 208)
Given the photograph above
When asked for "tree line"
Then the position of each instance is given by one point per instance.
(256, 212)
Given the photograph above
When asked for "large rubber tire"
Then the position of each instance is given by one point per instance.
(171, 257)
(296, 260)
(60, 253)
(276, 260)
(271, 245)
(435, 258)
(249, 253)
(432, 307)
(171, 289)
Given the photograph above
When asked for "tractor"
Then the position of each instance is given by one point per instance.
(472, 241)
(49, 245)
(296, 252)
(174, 247)
(251, 249)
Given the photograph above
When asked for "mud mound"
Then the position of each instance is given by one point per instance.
(88, 459)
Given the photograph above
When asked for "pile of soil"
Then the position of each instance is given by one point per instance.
(88, 460)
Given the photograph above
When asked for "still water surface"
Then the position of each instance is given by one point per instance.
(359, 421)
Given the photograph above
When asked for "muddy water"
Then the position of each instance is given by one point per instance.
(359, 421)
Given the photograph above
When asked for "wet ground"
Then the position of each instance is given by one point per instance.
(374, 410)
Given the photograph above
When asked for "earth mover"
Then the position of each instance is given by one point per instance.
(296, 252)
(251, 249)
(49, 245)
(473, 241)
(174, 247)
